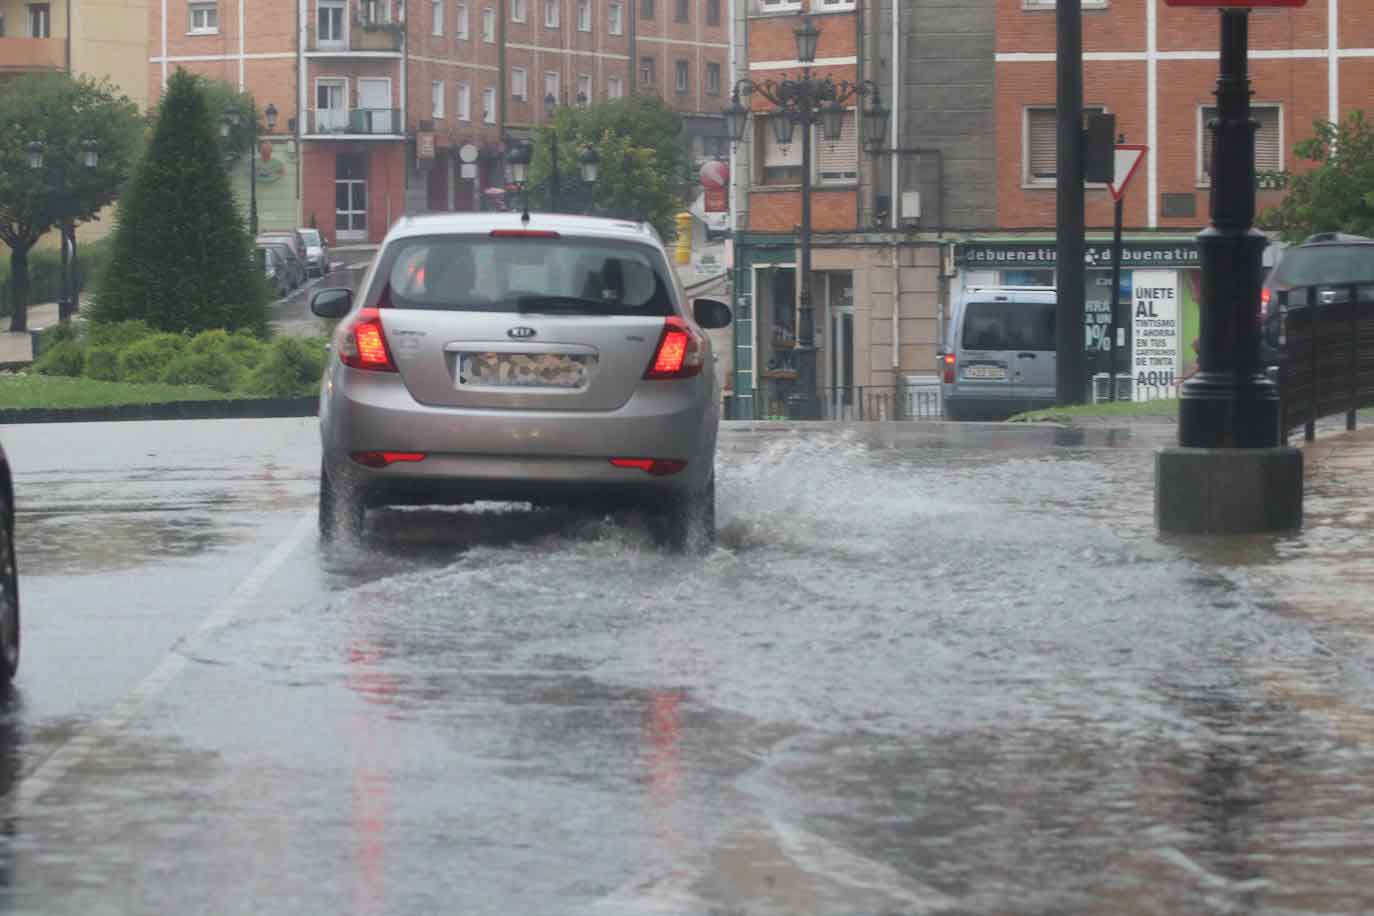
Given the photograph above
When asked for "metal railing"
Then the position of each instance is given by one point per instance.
(360, 36)
(858, 403)
(385, 121)
(1327, 345)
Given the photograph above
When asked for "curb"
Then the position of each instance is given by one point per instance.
(240, 409)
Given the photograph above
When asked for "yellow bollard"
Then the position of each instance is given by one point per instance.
(684, 238)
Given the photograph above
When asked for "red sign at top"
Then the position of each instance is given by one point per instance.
(1238, 4)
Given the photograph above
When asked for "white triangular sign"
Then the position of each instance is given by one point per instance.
(1128, 160)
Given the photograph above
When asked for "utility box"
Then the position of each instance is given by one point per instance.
(911, 207)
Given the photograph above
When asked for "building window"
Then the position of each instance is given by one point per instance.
(489, 25)
(331, 105)
(713, 12)
(648, 75)
(615, 88)
(615, 18)
(1041, 145)
(1268, 140)
(680, 10)
(712, 78)
(461, 27)
(330, 23)
(584, 15)
(773, 6)
(518, 10)
(438, 16)
(40, 20)
(204, 18)
(777, 164)
(377, 11)
(646, 9)
(838, 162)
(488, 106)
(1049, 4)
(715, 147)
(584, 89)
(682, 74)
(551, 86)
(519, 84)
(551, 14)
(436, 99)
(832, 6)
(464, 112)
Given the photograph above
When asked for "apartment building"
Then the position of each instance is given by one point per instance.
(1155, 68)
(387, 107)
(103, 40)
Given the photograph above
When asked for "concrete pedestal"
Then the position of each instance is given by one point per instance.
(1228, 490)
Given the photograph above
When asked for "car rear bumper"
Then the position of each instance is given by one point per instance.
(539, 456)
(991, 407)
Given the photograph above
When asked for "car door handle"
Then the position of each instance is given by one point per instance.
(1026, 355)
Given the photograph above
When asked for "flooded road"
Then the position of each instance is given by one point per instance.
(928, 669)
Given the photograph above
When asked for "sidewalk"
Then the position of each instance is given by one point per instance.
(17, 349)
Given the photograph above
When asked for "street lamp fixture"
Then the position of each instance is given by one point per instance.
(270, 113)
(590, 164)
(35, 151)
(90, 154)
(519, 161)
(808, 102)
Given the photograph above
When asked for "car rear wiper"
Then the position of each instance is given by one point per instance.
(563, 304)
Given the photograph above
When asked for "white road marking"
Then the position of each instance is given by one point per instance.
(76, 749)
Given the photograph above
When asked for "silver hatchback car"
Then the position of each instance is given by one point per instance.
(549, 359)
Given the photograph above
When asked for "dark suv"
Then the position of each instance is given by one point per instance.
(1334, 258)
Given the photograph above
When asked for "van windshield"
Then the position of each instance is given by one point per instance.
(1009, 326)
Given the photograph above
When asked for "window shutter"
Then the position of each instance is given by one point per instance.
(1042, 143)
(839, 161)
(1268, 148)
(775, 156)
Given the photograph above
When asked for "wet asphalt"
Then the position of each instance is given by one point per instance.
(928, 669)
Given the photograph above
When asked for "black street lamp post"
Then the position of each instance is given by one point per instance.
(67, 295)
(807, 102)
(555, 178)
(231, 120)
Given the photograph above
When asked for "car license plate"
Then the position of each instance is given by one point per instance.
(986, 372)
(525, 370)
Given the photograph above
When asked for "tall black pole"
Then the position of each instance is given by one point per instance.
(1071, 359)
(806, 331)
(253, 178)
(1230, 403)
(554, 183)
(1116, 289)
(64, 286)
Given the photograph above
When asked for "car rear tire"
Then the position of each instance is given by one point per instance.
(689, 520)
(341, 510)
(9, 596)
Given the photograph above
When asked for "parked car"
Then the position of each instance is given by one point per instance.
(1336, 258)
(550, 359)
(291, 261)
(316, 251)
(274, 269)
(292, 240)
(999, 356)
(9, 577)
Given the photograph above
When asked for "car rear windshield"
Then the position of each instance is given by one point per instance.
(525, 274)
(311, 236)
(1009, 326)
(1325, 264)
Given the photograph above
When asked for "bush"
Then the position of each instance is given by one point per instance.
(214, 369)
(146, 360)
(242, 347)
(117, 335)
(102, 364)
(292, 367)
(67, 357)
(62, 332)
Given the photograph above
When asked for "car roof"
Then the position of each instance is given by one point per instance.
(562, 223)
(1336, 238)
(1028, 294)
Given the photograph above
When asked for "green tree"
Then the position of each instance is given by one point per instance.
(61, 113)
(1337, 194)
(645, 167)
(182, 258)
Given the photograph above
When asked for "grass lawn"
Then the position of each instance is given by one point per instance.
(52, 391)
(1106, 410)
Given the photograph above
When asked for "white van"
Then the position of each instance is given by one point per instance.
(999, 353)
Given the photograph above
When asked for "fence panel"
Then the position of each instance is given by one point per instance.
(1327, 344)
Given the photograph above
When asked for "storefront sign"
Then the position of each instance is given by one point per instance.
(1155, 334)
(424, 145)
(994, 255)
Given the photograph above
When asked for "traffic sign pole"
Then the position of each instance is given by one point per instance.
(1128, 160)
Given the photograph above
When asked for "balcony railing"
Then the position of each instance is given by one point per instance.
(24, 55)
(379, 121)
(359, 37)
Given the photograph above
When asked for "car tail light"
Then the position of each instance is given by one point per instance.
(949, 368)
(364, 345)
(382, 459)
(654, 467)
(1265, 295)
(680, 353)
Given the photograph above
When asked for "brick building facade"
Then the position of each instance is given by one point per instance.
(374, 99)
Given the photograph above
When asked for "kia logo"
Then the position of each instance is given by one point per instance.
(521, 333)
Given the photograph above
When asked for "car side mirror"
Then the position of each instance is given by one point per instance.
(332, 303)
(711, 314)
